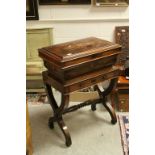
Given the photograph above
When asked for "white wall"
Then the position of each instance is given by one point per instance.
(73, 22)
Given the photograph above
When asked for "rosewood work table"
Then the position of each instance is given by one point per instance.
(76, 65)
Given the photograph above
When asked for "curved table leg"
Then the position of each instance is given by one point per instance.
(65, 131)
(103, 96)
(58, 111)
(110, 110)
(53, 104)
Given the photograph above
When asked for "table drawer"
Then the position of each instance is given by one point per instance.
(92, 81)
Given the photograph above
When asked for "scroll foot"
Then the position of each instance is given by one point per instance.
(65, 131)
(93, 107)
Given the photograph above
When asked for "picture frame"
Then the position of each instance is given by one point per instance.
(114, 3)
(32, 10)
(64, 2)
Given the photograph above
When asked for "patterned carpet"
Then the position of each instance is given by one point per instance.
(124, 128)
(36, 98)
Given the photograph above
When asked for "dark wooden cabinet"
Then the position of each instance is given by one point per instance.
(120, 96)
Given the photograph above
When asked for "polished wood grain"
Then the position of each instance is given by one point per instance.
(79, 48)
(72, 59)
(82, 81)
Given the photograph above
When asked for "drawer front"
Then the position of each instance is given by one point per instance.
(90, 82)
(89, 67)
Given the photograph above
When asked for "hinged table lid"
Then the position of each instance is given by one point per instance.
(77, 49)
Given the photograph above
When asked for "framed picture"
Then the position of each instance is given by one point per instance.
(110, 2)
(63, 2)
(32, 10)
